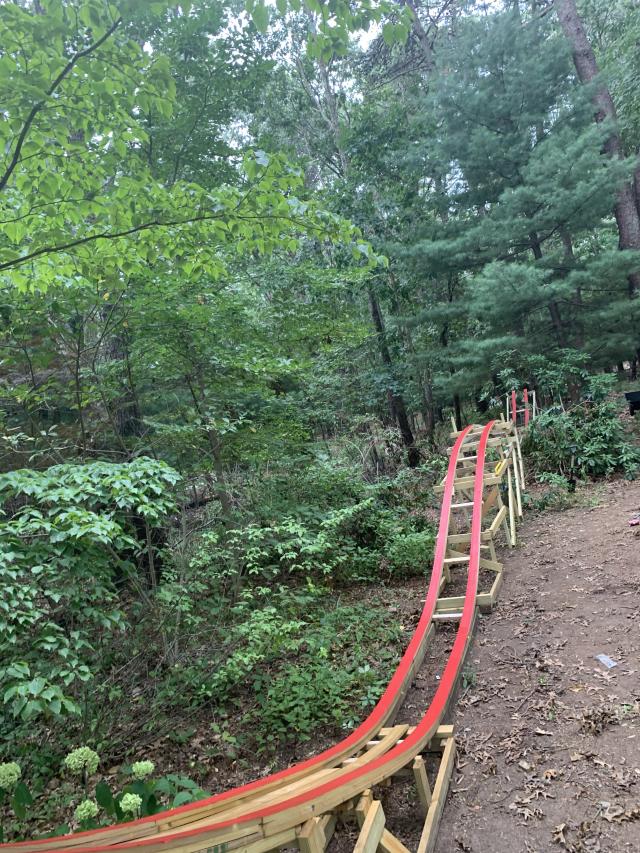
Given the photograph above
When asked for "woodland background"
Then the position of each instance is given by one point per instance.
(252, 261)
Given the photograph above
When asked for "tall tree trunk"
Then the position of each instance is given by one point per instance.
(125, 409)
(396, 401)
(569, 258)
(552, 305)
(423, 377)
(457, 410)
(625, 210)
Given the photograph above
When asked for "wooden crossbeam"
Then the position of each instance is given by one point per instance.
(315, 833)
(388, 843)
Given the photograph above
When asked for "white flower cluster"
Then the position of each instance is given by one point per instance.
(142, 769)
(9, 775)
(82, 759)
(130, 804)
(86, 810)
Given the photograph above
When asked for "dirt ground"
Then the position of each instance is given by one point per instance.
(549, 738)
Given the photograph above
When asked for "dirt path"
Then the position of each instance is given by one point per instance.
(549, 755)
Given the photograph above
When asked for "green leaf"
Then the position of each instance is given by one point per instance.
(20, 800)
(260, 16)
(104, 797)
(181, 798)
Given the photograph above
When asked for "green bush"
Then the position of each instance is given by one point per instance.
(557, 496)
(89, 803)
(586, 441)
(343, 530)
(411, 553)
(67, 539)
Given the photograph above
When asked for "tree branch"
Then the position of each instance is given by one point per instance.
(52, 88)
(114, 235)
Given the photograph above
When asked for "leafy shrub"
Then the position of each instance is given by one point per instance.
(343, 530)
(302, 664)
(410, 553)
(557, 495)
(342, 670)
(66, 538)
(140, 795)
(588, 440)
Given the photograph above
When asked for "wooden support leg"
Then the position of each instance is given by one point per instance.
(311, 837)
(520, 464)
(422, 784)
(388, 843)
(512, 514)
(516, 480)
(372, 829)
(430, 828)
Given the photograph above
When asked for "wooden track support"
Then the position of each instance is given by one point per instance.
(300, 807)
(439, 795)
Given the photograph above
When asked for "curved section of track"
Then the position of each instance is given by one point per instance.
(266, 807)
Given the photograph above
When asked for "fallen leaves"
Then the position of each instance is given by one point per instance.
(558, 835)
(618, 814)
(527, 813)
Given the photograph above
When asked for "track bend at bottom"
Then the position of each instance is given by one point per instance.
(261, 815)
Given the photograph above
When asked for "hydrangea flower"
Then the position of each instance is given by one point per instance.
(82, 759)
(142, 769)
(86, 810)
(130, 804)
(9, 775)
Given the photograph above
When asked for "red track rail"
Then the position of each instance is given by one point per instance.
(325, 796)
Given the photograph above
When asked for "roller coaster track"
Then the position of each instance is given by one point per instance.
(299, 806)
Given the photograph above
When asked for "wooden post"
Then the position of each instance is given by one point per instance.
(526, 406)
(372, 829)
(512, 515)
(517, 489)
(422, 784)
(311, 837)
(514, 413)
(519, 460)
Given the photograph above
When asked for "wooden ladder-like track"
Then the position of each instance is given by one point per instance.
(299, 806)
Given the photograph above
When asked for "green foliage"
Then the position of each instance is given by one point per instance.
(557, 495)
(138, 797)
(333, 683)
(68, 535)
(586, 441)
(264, 253)
(342, 530)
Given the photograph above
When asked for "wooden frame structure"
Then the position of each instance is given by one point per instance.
(529, 409)
(301, 806)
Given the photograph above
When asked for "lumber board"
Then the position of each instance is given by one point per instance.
(430, 828)
(422, 784)
(390, 844)
(311, 837)
(372, 829)
(363, 805)
(512, 513)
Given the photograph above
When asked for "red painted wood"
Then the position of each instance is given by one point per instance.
(514, 413)
(526, 406)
